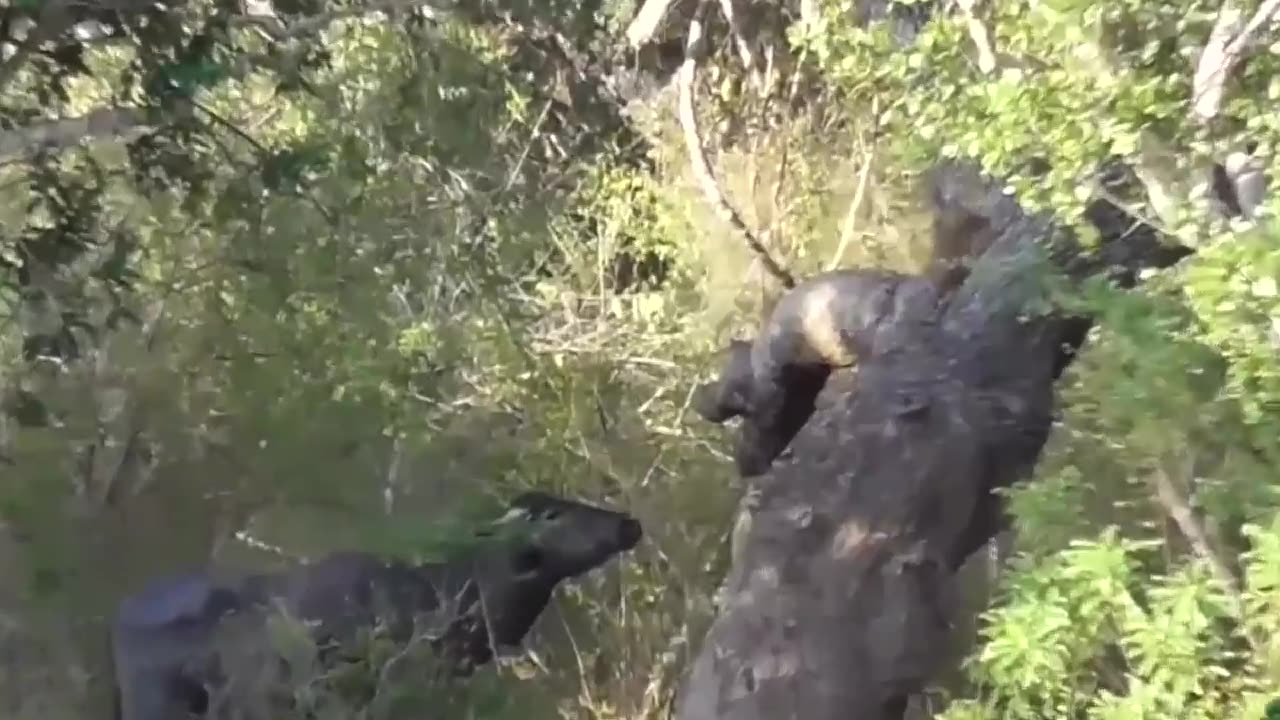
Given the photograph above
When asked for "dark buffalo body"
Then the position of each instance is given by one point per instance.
(166, 637)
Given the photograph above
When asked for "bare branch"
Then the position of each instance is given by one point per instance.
(1208, 83)
(647, 21)
(974, 14)
(694, 46)
(1223, 53)
(851, 216)
(776, 210)
(534, 132)
(1206, 543)
(1178, 508)
(745, 52)
(810, 12)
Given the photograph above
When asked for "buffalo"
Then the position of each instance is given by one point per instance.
(169, 640)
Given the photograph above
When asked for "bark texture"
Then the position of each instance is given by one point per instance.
(839, 603)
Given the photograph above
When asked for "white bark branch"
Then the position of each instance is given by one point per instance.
(694, 47)
(850, 223)
(645, 25)
(974, 12)
(1227, 44)
(745, 53)
(1178, 508)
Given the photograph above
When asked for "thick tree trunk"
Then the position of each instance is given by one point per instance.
(839, 603)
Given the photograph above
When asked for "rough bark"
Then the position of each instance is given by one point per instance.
(841, 598)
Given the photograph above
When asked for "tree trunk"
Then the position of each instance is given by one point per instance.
(840, 602)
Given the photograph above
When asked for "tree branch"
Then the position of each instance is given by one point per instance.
(851, 215)
(745, 53)
(1222, 55)
(1178, 508)
(694, 47)
(648, 19)
(974, 12)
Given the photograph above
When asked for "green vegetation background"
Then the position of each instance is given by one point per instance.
(378, 270)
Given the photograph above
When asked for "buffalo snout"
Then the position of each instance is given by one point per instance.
(571, 538)
(629, 533)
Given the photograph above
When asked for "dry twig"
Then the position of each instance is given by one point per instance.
(1178, 507)
(1204, 542)
(859, 194)
(850, 221)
